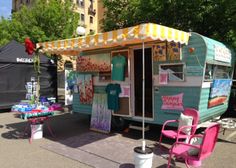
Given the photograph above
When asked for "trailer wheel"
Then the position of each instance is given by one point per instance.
(118, 123)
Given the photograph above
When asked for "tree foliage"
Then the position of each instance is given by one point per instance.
(43, 21)
(212, 18)
(5, 35)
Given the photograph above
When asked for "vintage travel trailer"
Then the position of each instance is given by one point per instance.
(181, 70)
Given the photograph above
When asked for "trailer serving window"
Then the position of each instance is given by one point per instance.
(175, 71)
(217, 72)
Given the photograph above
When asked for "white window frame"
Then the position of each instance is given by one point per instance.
(173, 64)
(214, 72)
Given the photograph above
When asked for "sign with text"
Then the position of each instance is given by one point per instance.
(24, 60)
(159, 52)
(173, 50)
(174, 102)
(222, 54)
(163, 78)
(125, 91)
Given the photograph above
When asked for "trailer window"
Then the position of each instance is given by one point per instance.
(217, 72)
(175, 71)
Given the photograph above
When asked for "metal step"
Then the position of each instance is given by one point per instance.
(139, 127)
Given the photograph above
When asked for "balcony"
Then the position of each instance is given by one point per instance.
(91, 11)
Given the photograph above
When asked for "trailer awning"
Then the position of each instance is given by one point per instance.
(141, 33)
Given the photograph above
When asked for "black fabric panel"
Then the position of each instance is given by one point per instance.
(14, 74)
(48, 80)
(13, 50)
(61, 79)
(13, 78)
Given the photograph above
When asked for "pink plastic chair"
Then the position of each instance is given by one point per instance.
(209, 138)
(173, 134)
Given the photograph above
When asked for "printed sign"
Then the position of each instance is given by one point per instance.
(101, 116)
(94, 63)
(222, 54)
(85, 84)
(173, 50)
(174, 102)
(69, 84)
(159, 52)
(220, 91)
(24, 60)
(125, 91)
(163, 78)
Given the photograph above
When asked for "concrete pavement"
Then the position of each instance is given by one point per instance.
(16, 151)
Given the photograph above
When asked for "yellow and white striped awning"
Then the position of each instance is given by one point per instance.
(141, 33)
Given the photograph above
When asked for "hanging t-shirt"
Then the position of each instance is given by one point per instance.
(118, 69)
(113, 91)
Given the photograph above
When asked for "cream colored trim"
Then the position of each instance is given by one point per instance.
(190, 81)
(140, 118)
(206, 84)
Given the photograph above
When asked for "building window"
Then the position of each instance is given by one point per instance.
(91, 31)
(82, 17)
(91, 4)
(91, 19)
(80, 3)
(91, 11)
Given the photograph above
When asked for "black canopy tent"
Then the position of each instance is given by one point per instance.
(17, 68)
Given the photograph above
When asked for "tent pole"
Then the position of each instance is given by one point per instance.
(143, 110)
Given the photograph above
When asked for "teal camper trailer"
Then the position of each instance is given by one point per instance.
(181, 70)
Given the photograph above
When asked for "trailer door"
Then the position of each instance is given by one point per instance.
(138, 85)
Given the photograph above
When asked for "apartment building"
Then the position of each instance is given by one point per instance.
(90, 12)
